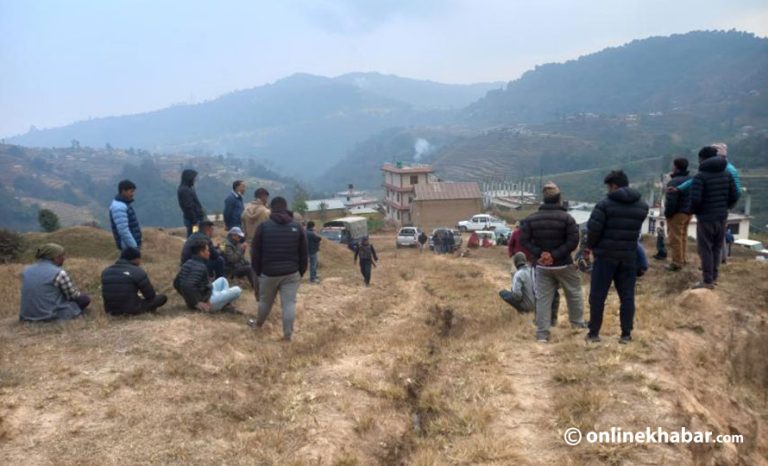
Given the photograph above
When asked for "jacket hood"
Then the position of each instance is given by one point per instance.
(282, 217)
(713, 165)
(625, 195)
(188, 177)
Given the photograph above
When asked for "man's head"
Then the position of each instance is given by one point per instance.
(262, 194)
(615, 180)
(132, 255)
(239, 187)
(310, 225)
(278, 204)
(519, 259)
(366, 241)
(126, 189)
(680, 164)
(206, 226)
(721, 148)
(707, 153)
(52, 252)
(200, 249)
(551, 193)
(236, 234)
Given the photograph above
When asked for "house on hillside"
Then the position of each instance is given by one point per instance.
(400, 184)
(737, 222)
(444, 204)
(325, 209)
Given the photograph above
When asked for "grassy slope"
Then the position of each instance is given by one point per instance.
(382, 375)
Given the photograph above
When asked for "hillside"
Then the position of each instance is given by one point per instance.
(426, 367)
(302, 123)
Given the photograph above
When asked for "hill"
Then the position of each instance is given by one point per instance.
(427, 366)
(302, 123)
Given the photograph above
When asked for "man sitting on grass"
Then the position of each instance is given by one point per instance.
(121, 284)
(198, 292)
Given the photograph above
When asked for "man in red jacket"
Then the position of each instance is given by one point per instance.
(514, 246)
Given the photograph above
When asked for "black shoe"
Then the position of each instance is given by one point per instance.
(625, 339)
(592, 338)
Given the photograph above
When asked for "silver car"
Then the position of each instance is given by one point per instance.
(407, 237)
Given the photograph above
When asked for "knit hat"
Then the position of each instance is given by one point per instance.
(722, 148)
(130, 253)
(519, 259)
(236, 231)
(49, 251)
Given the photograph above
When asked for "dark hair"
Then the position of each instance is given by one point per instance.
(681, 164)
(707, 152)
(197, 247)
(125, 185)
(261, 192)
(310, 224)
(236, 184)
(552, 199)
(205, 224)
(278, 203)
(617, 177)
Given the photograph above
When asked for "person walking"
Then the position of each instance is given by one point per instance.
(190, 205)
(677, 211)
(313, 246)
(47, 291)
(612, 232)
(422, 241)
(122, 218)
(233, 206)
(255, 213)
(279, 256)
(551, 235)
(368, 258)
(194, 285)
(123, 281)
(713, 192)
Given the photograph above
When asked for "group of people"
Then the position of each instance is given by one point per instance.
(443, 241)
(541, 246)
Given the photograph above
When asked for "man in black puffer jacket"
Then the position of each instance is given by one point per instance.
(677, 210)
(612, 233)
(121, 283)
(279, 259)
(713, 192)
(551, 235)
(188, 201)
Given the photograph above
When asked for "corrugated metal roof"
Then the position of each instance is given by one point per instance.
(447, 191)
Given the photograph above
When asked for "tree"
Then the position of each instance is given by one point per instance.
(300, 197)
(323, 211)
(49, 221)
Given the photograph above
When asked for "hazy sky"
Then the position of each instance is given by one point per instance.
(68, 60)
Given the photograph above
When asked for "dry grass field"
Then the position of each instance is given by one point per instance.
(426, 367)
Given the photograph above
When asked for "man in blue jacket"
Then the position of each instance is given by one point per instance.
(122, 218)
(233, 205)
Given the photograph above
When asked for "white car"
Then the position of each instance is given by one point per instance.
(407, 237)
(755, 246)
(481, 222)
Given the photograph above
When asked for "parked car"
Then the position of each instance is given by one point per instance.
(505, 231)
(407, 237)
(481, 222)
(457, 239)
(487, 234)
(754, 246)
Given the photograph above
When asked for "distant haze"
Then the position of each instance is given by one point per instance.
(69, 61)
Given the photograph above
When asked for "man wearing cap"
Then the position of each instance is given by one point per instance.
(551, 235)
(521, 297)
(233, 252)
(47, 291)
(121, 284)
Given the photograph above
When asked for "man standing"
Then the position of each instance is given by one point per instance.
(255, 213)
(279, 260)
(713, 192)
(47, 292)
(368, 258)
(122, 281)
(214, 262)
(661, 248)
(233, 205)
(235, 264)
(195, 287)
(677, 211)
(551, 235)
(122, 218)
(188, 201)
(313, 245)
(612, 233)
(422, 239)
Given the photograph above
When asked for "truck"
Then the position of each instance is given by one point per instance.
(345, 230)
(481, 222)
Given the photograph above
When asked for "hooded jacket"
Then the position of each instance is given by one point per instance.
(615, 224)
(279, 247)
(677, 201)
(255, 214)
(188, 201)
(713, 191)
(550, 229)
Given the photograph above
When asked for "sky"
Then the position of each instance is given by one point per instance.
(63, 61)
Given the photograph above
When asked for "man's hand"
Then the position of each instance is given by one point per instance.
(203, 307)
(243, 246)
(546, 259)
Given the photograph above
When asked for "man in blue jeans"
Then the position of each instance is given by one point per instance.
(612, 233)
(313, 246)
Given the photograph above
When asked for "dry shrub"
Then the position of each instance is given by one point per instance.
(12, 245)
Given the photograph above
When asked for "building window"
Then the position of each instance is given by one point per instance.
(734, 228)
(414, 179)
(398, 197)
(398, 215)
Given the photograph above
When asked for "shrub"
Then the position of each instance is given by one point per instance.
(48, 220)
(12, 245)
